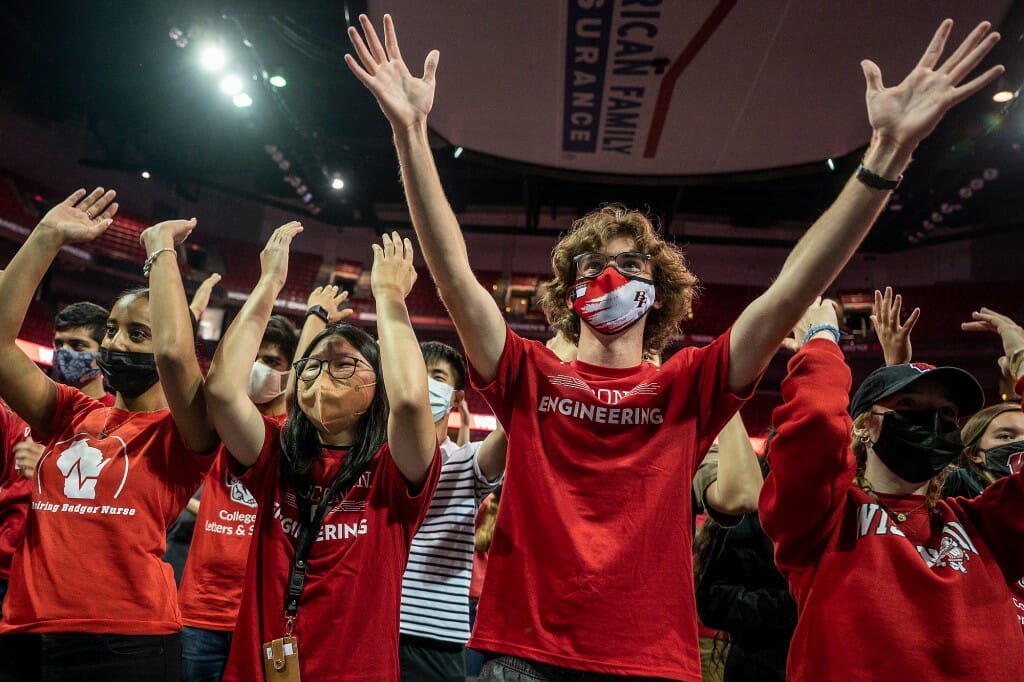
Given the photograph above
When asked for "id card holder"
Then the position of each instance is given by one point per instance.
(281, 660)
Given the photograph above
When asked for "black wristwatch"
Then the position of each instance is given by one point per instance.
(876, 181)
(320, 312)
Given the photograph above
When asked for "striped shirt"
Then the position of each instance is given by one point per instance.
(435, 587)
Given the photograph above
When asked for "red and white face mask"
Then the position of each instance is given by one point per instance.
(611, 301)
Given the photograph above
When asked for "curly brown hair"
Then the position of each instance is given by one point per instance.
(674, 284)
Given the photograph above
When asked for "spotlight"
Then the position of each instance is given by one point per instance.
(946, 208)
(913, 238)
(831, 164)
(458, 152)
(307, 198)
(990, 174)
(976, 184)
(314, 209)
(301, 189)
(242, 100)
(1003, 96)
(145, 175)
(284, 164)
(231, 84)
(966, 192)
(936, 217)
(293, 180)
(337, 183)
(212, 58)
(278, 81)
(928, 225)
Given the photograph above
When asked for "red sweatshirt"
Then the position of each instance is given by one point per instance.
(926, 599)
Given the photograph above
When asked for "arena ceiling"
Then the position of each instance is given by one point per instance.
(746, 115)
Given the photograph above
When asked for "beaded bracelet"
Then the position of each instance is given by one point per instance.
(148, 265)
(834, 331)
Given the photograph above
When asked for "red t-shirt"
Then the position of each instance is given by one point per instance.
(590, 567)
(91, 557)
(211, 585)
(15, 489)
(927, 599)
(347, 626)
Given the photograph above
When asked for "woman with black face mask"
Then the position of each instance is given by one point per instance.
(89, 596)
(890, 580)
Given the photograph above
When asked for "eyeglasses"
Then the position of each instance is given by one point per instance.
(339, 367)
(627, 262)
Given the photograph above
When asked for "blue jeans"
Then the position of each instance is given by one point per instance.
(474, 659)
(204, 654)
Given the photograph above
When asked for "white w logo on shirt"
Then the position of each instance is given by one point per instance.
(81, 465)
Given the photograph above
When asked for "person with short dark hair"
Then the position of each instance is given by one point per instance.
(211, 584)
(435, 588)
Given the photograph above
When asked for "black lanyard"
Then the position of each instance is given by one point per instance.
(304, 544)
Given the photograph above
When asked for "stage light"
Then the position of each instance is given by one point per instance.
(212, 58)
(976, 184)
(913, 239)
(231, 84)
(928, 225)
(990, 174)
(936, 217)
(242, 100)
(145, 175)
(1003, 96)
(307, 198)
(278, 81)
(966, 192)
(337, 183)
(831, 164)
(458, 152)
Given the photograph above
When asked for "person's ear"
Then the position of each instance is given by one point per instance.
(974, 454)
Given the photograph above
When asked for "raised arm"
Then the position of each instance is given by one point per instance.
(738, 486)
(201, 298)
(812, 467)
(411, 432)
(406, 101)
(900, 116)
(174, 344)
(237, 419)
(893, 335)
(80, 218)
(492, 454)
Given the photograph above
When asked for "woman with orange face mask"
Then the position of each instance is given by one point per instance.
(342, 486)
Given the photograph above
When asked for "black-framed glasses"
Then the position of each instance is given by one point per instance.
(627, 262)
(339, 367)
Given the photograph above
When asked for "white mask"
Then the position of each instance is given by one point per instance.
(265, 384)
(440, 398)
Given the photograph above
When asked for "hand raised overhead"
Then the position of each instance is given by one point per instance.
(906, 113)
(82, 216)
(405, 99)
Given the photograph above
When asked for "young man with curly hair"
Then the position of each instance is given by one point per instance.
(590, 567)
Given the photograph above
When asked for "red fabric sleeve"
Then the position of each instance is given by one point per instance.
(812, 466)
(497, 393)
(255, 478)
(70, 401)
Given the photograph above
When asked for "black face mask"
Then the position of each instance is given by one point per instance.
(997, 460)
(130, 374)
(917, 445)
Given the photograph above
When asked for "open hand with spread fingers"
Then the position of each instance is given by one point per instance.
(332, 298)
(893, 335)
(906, 113)
(81, 217)
(405, 99)
(393, 273)
(274, 256)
